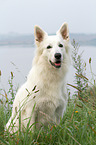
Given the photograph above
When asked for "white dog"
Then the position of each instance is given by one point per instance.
(46, 102)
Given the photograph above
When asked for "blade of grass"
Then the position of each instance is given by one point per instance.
(3, 141)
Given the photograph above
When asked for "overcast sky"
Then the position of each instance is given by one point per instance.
(20, 16)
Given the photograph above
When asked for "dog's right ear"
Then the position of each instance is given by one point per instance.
(39, 34)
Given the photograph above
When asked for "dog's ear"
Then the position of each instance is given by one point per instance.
(39, 34)
(64, 31)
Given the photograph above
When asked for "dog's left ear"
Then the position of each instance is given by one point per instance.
(64, 31)
(39, 34)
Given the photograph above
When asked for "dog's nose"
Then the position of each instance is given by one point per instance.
(57, 55)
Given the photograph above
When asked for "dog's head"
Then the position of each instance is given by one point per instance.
(53, 49)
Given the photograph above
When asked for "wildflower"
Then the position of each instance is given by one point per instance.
(89, 112)
(90, 60)
(76, 111)
(51, 128)
(0, 72)
(12, 74)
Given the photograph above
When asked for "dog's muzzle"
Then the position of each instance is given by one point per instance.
(57, 63)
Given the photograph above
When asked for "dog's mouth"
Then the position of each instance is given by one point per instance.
(56, 64)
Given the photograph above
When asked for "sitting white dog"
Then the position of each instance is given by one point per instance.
(48, 74)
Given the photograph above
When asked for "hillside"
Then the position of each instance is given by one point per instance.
(28, 39)
(17, 39)
(84, 39)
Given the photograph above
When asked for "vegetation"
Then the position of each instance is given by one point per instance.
(78, 126)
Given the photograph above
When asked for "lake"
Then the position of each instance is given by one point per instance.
(19, 61)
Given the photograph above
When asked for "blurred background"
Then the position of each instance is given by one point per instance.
(17, 20)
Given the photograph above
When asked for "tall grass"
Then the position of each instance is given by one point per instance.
(78, 126)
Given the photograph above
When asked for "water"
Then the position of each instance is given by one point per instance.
(15, 59)
(19, 61)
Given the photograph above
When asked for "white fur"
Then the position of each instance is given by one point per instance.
(50, 102)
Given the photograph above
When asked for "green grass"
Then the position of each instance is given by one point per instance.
(78, 126)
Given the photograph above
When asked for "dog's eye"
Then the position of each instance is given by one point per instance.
(60, 45)
(49, 46)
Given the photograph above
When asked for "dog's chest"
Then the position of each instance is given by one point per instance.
(52, 93)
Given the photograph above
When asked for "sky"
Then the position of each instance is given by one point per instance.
(20, 16)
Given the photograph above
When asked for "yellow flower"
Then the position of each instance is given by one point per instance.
(89, 112)
(76, 111)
